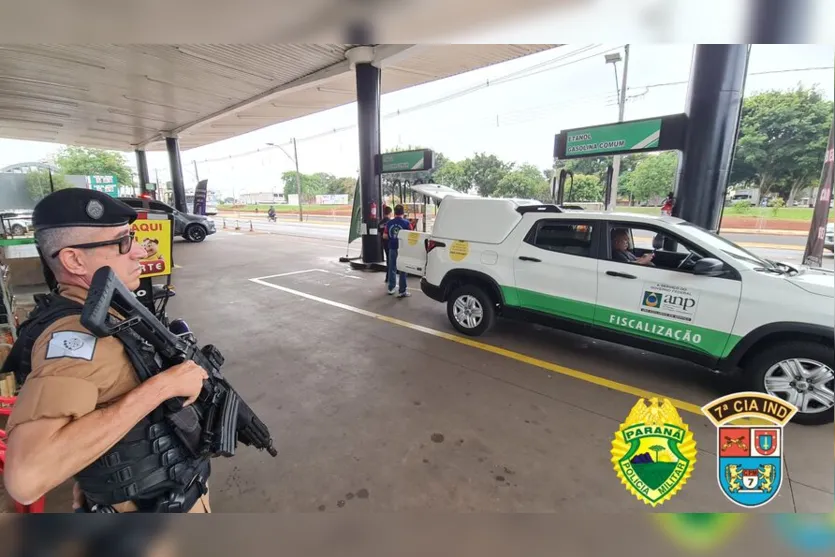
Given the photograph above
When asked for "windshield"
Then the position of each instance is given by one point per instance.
(716, 242)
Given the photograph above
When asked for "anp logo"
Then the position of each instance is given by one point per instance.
(652, 299)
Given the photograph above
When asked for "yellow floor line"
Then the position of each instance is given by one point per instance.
(562, 370)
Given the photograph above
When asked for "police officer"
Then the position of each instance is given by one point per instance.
(84, 411)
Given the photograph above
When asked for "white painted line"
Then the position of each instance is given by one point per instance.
(292, 273)
(309, 271)
(549, 366)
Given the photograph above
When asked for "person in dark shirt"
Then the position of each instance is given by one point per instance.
(384, 238)
(393, 229)
(620, 250)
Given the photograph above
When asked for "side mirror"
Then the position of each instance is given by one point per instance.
(709, 267)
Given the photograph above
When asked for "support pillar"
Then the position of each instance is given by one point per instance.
(368, 112)
(177, 185)
(714, 107)
(142, 169)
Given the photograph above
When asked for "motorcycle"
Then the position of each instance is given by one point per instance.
(272, 218)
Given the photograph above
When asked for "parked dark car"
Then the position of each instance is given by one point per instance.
(193, 228)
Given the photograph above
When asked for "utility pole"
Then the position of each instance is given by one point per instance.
(613, 199)
(298, 179)
(196, 175)
(295, 159)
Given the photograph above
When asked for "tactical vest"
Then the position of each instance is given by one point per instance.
(151, 466)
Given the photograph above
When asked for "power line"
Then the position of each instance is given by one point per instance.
(545, 66)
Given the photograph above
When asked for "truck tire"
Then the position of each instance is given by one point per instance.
(470, 310)
(797, 369)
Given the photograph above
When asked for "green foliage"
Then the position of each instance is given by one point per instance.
(93, 162)
(652, 177)
(586, 188)
(782, 140)
(776, 204)
(37, 183)
(743, 206)
(452, 174)
(525, 182)
(484, 172)
(320, 183)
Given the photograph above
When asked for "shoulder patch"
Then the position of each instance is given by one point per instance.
(71, 344)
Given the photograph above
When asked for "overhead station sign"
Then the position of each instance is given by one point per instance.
(637, 136)
(406, 161)
(630, 136)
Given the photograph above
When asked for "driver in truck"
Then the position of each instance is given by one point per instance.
(620, 249)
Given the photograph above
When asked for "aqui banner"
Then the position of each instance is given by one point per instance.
(814, 244)
(153, 231)
(356, 216)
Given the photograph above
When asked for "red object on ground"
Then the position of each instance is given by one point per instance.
(6, 404)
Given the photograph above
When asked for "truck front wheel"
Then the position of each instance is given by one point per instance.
(800, 373)
(470, 310)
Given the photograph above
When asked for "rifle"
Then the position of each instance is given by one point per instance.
(219, 412)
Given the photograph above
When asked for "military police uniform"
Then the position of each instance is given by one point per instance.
(65, 371)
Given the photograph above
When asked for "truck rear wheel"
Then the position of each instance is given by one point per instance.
(800, 373)
(470, 310)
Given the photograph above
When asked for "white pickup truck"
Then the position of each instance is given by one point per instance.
(701, 297)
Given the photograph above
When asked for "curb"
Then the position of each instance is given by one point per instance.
(763, 231)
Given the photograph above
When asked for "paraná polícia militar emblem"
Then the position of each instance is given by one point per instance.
(654, 451)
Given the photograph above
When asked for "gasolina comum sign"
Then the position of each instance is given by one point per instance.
(627, 136)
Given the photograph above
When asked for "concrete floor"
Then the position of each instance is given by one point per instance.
(374, 415)
(373, 408)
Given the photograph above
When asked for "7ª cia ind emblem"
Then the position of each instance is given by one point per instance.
(654, 451)
(750, 457)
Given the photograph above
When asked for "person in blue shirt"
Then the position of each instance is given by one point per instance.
(393, 228)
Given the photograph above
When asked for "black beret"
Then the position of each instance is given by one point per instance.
(80, 207)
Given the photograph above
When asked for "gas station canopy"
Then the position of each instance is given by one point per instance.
(127, 97)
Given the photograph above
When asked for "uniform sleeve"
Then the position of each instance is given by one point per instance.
(70, 370)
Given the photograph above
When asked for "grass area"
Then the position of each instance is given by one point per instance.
(281, 208)
(786, 213)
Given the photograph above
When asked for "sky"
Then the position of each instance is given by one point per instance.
(516, 120)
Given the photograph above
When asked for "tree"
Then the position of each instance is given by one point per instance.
(485, 172)
(312, 184)
(344, 185)
(653, 177)
(656, 449)
(37, 183)
(782, 139)
(525, 182)
(93, 162)
(452, 174)
(585, 188)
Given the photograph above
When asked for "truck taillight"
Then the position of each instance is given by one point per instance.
(432, 244)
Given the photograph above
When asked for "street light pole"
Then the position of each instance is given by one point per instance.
(613, 196)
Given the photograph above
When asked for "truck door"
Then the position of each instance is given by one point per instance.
(555, 270)
(411, 255)
(665, 301)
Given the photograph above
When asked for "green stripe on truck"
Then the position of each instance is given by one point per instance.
(713, 342)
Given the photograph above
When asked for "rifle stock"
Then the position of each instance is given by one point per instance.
(236, 420)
